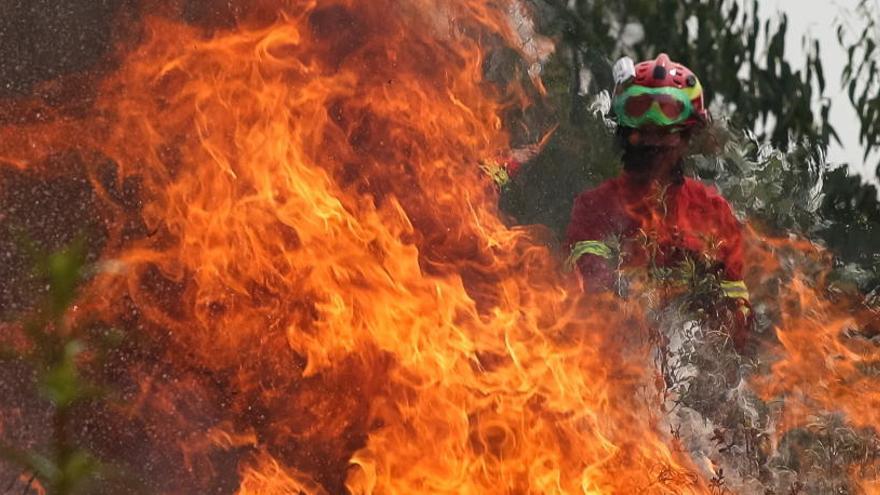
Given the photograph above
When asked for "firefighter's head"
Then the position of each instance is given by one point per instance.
(658, 104)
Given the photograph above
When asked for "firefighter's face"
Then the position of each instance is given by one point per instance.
(655, 149)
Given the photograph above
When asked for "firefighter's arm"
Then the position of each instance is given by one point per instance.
(735, 290)
(589, 252)
(505, 166)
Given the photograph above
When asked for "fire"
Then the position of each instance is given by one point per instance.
(316, 237)
(327, 295)
(826, 360)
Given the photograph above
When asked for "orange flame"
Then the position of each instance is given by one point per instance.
(315, 230)
(304, 243)
(825, 360)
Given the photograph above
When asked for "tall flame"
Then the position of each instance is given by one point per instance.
(328, 295)
(316, 238)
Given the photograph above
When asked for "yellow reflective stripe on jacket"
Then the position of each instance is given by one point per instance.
(735, 289)
(595, 248)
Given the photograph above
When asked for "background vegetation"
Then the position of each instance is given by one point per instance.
(766, 152)
(767, 148)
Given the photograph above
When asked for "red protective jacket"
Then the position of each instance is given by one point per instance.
(632, 222)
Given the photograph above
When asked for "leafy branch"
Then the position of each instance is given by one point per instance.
(861, 76)
(55, 351)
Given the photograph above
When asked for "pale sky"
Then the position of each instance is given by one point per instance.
(819, 18)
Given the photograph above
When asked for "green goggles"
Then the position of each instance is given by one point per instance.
(640, 105)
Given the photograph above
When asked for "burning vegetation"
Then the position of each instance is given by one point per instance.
(294, 278)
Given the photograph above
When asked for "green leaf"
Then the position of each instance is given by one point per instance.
(61, 383)
(79, 467)
(820, 72)
(42, 466)
(64, 271)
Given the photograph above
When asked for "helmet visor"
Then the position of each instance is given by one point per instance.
(640, 105)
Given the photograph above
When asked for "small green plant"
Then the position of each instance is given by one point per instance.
(54, 349)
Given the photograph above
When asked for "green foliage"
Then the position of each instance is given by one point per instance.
(719, 41)
(780, 190)
(861, 76)
(63, 270)
(579, 154)
(796, 191)
(852, 230)
(770, 164)
(55, 352)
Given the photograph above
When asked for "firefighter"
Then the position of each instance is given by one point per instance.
(651, 219)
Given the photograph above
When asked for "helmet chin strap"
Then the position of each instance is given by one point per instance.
(641, 171)
(640, 161)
